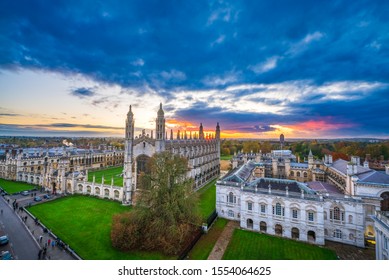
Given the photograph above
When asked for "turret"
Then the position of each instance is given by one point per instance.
(127, 169)
(310, 159)
(217, 131)
(160, 124)
(201, 132)
(160, 130)
(130, 125)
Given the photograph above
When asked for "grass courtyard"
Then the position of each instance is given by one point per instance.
(108, 173)
(85, 224)
(207, 199)
(247, 245)
(228, 157)
(12, 187)
(204, 246)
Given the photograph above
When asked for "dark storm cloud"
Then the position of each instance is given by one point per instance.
(186, 45)
(83, 92)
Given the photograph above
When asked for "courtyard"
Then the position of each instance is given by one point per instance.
(248, 245)
(13, 187)
(108, 173)
(85, 224)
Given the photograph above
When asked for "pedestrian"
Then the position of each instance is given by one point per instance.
(52, 244)
(40, 238)
(25, 219)
(1, 211)
(44, 252)
(48, 242)
(40, 254)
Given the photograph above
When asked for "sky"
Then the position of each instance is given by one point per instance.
(307, 69)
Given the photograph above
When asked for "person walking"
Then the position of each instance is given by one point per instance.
(1, 211)
(48, 242)
(40, 238)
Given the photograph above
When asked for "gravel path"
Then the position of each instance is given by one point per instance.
(222, 243)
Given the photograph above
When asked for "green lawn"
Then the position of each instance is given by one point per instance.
(247, 245)
(85, 224)
(12, 187)
(204, 246)
(226, 157)
(207, 197)
(108, 173)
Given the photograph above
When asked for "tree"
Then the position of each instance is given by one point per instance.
(166, 213)
(225, 152)
(250, 146)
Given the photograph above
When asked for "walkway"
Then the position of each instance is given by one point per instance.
(35, 231)
(223, 241)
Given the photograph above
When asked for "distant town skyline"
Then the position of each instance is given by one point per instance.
(306, 69)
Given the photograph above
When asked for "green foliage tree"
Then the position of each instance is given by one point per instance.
(225, 152)
(166, 213)
(249, 146)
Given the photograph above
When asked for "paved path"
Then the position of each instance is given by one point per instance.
(222, 243)
(30, 241)
(21, 243)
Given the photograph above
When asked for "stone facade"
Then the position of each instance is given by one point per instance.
(381, 225)
(289, 208)
(201, 150)
(58, 170)
(335, 200)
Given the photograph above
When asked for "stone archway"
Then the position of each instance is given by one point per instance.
(278, 230)
(69, 188)
(311, 236)
(295, 233)
(249, 223)
(141, 168)
(385, 201)
(54, 187)
(263, 226)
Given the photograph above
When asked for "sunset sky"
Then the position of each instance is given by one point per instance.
(308, 69)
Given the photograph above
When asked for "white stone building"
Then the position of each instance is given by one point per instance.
(381, 226)
(313, 212)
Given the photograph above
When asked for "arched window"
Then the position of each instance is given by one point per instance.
(350, 219)
(231, 198)
(351, 236)
(262, 226)
(292, 173)
(305, 175)
(298, 174)
(336, 214)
